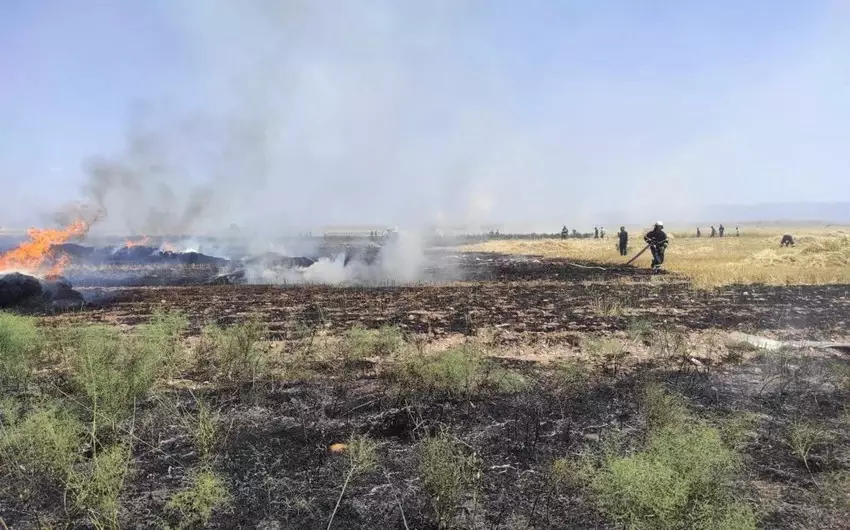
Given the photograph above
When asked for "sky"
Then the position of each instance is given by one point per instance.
(280, 114)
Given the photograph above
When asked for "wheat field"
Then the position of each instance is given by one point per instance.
(821, 255)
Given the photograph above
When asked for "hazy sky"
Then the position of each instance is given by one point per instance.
(295, 113)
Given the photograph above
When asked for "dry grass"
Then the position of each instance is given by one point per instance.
(821, 255)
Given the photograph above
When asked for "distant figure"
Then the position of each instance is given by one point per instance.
(624, 241)
(721, 230)
(602, 233)
(699, 234)
(564, 232)
(657, 241)
(787, 241)
(595, 232)
(575, 232)
(713, 231)
(737, 232)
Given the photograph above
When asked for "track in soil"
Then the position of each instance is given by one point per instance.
(516, 294)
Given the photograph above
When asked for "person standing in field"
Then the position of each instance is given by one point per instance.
(602, 233)
(713, 231)
(737, 232)
(721, 230)
(657, 241)
(595, 232)
(624, 241)
(698, 232)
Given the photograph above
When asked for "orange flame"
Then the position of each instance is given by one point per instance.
(137, 243)
(31, 255)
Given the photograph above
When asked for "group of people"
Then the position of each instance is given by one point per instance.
(719, 231)
(655, 239)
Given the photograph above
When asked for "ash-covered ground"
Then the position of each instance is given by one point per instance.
(565, 352)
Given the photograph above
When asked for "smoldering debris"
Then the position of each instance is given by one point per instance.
(348, 263)
(25, 292)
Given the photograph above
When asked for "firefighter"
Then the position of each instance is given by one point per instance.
(602, 233)
(787, 241)
(624, 241)
(699, 234)
(595, 232)
(565, 232)
(737, 232)
(713, 231)
(657, 241)
(721, 230)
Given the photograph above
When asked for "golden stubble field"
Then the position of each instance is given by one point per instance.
(821, 254)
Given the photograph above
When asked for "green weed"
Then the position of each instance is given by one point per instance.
(461, 371)
(97, 486)
(360, 343)
(362, 457)
(236, 353)
(46, 441)
(20, 345)
(449, 474)
(640, 331)
(194, 505)
(835, 491)
(571, 376)
(204, 430)
(162, 336)
(112, 371)
(662, 409)
(607, 354)
(804, 437)
(681, 480)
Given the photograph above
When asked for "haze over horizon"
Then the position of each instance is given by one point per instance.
(278, 115)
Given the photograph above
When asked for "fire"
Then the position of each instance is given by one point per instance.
(32, 255)
(137, 243)
(167, 247)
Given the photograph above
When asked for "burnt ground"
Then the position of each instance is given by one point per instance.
(275, 451)
(530, 295)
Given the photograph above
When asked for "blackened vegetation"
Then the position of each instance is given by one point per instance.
(528, 295)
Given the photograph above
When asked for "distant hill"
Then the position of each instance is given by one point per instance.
(777, 213)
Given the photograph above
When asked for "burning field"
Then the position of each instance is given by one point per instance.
(360, 384)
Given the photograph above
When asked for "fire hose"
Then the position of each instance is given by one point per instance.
(636, 256)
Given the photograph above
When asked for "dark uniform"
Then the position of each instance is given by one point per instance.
(657, 241)
(713, 232)
(787, 241)
(624, 241)
(595, 233)
(721, 230)
(699, 234)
